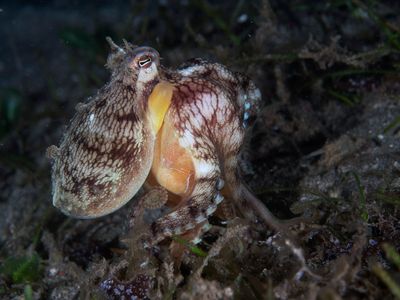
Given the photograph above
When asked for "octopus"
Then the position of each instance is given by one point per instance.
(180, 129)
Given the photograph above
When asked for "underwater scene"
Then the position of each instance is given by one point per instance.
(200, 149)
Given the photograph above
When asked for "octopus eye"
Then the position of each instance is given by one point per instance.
(144, 62)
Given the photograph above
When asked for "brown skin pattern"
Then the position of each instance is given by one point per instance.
(104, 155)
(109, 148)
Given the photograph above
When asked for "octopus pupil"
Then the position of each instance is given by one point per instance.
(144, 62)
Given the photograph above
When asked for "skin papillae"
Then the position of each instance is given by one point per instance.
(183, 127)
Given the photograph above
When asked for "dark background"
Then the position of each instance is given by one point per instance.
(325, 146)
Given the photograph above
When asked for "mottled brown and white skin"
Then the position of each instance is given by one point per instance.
(111, 147)
(209, 111)
(106, 153)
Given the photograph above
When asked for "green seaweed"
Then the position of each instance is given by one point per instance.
(363, 201)
(348, 99)
(392, 34)
(392, 254)
(392, 125)
(10, 110)
(22, 269)
(28, 292)
(387, 280)
(192, 248)
(389, 199)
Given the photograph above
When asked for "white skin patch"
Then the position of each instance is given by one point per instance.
(186, 140)
(200, 219)
(196, 121)
(174, 216)
(210, 210)
(167, 232)
(188, 226)
(247, 105)
(208, 106)
(178, 230)
(92, 124)
(206, 227)
(219, 198)
(190, 70)
(147, 74)
(203, 168)
(220, 184)
(196, 240)
(257, 94)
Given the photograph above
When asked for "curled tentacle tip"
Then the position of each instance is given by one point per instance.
(52, 152)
